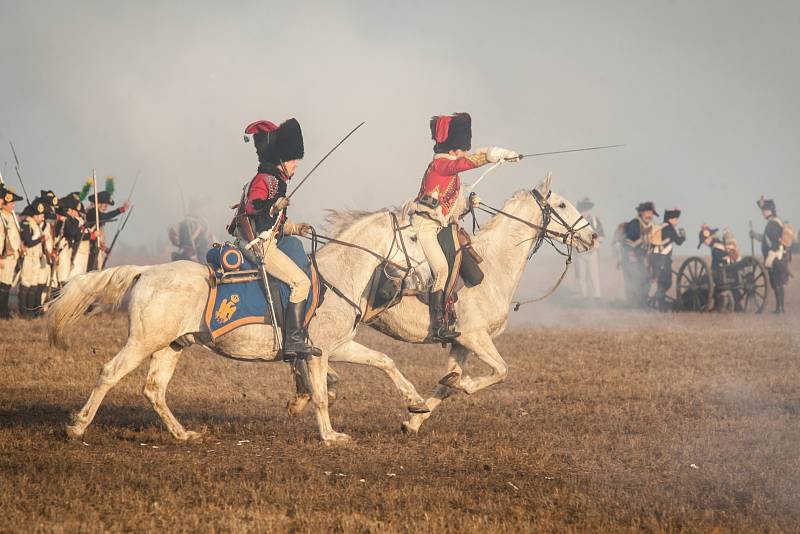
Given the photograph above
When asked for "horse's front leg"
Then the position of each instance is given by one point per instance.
(483, 347)
(352, 352)
(317, 375)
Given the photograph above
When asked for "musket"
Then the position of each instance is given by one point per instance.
(566, 151)
(314, 168)
(16, 168)
(96, 219)
(752, 241)
(119, 231)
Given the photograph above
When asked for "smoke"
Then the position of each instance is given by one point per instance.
(710, 117)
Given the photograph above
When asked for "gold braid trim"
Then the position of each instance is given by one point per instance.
(478, 158)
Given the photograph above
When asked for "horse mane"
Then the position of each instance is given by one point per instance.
(519, 196)
(338, 221)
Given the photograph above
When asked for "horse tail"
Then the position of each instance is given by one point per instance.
(107, 287)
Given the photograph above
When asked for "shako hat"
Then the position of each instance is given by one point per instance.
(451, 132)
(674, 213)
(766, 204)
(9, 195)
(585, 204)
(647, 206)
(103, 197)
(276, 144)
(705, 232)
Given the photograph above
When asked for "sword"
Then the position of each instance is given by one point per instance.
(264, 237)
(16, 168)
(565, 151)
(314, 168)
(119, 231)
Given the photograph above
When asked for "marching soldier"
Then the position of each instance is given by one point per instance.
(669, 235)
(33, 238)
(69, 231)
(261, 221)
(587, 264)
(637, 247)
(12, 248)
(47, 276)
(776, 248)
(97, 239)
(441, 202)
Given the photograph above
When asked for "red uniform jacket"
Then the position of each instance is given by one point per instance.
(441, 180)
(264, 189)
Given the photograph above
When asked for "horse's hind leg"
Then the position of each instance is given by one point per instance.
(484, 348)
(162, 367)
(126, 360)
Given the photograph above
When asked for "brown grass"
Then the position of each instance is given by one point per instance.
(597, 428)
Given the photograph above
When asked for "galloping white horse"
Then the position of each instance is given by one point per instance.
(505, 244)
(166, 307)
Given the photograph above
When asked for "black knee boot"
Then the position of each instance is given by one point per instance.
(22, 301)
(778, 298)
(5, 292)
(294, 344)
(440, 330)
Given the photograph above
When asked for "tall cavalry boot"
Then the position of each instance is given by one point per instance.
(440, 330)
(5, 292)
(295, 335)
(778, 298)
(22, 301)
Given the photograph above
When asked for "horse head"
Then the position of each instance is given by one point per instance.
(563, 222)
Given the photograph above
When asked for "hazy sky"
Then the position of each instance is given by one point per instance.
(706, 94)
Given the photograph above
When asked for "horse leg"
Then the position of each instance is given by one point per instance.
(484, 348)
(302, 395)
(162, 367)
(357, 353)
(456, 359)
(126, 360)
(317, 375)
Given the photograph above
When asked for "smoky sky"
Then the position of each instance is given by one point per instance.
(704, 94)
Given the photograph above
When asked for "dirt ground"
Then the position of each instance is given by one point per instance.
(609, 420)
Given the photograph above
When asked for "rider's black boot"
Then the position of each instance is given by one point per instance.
(5, 292)
(295, 344)
(440, 330)
(779, 293)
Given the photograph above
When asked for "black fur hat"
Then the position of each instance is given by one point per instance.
(766, 204)
(277, 144)
(451, 132)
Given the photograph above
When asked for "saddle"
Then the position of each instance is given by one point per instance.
(237, 295)
(390, 284)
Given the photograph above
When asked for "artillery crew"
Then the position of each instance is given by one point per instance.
(12, 249)
(663, 239)
(261, 221)
(636, 245)
(776, 242)
(440, 202)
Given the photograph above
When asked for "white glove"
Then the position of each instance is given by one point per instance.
(280, 204)
(495, 154)
(474, 200)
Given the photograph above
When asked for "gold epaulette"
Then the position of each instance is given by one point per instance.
(478, 158)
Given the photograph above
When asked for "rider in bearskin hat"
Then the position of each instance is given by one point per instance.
(440, 201)
(262, 218)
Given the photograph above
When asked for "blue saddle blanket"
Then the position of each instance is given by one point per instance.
(234, 304)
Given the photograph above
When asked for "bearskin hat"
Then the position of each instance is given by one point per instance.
(674, 213)
(451, 132)
(766, 204)
(275, 144)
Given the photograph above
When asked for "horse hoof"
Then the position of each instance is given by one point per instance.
(407, 429)
(73, 432)
(331, 397)
(419, 407)
(191, 435)
(451, 380)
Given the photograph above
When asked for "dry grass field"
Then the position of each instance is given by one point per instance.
(621, 421)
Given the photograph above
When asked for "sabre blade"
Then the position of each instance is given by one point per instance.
(570, 150)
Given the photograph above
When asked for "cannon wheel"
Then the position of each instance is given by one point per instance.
(694, 289)
(755, 285)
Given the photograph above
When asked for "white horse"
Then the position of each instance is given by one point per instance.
(505, 243)
(165, 310)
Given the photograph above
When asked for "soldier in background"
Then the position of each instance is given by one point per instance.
(12, 248)
(96, 235)
(776, 243)
(587, 264)
(191, 237)
(30, 295)
(636, 247)
(47, 275)
(69, 231)
(665, 238)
